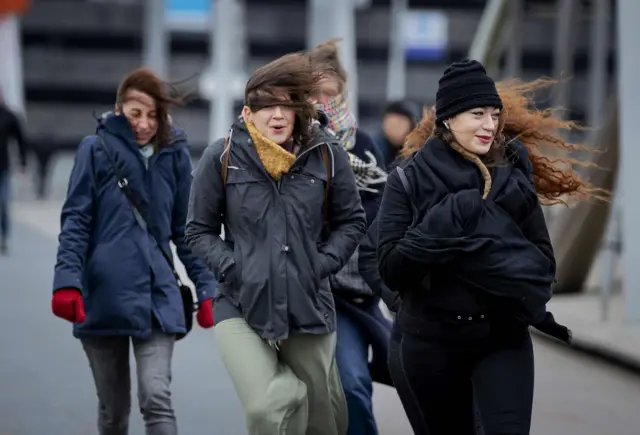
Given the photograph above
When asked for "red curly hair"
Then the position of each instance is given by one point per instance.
(554, 177)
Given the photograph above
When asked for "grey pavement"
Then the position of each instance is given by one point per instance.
(45, 382)
(610, 337)
(46, 386)
(613, 339)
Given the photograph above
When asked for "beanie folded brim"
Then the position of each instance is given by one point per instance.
(468, 103)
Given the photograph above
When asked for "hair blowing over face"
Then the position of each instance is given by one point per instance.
(325, 58)
(287, 81)
(537, 130)
(144, 80)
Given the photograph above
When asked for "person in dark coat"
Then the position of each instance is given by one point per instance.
(10, 130)
(398, 120)
(111, 277)
(463, 241)
(283, 189)
(361, 324)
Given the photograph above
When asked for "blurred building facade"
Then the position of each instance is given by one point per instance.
(75, 52)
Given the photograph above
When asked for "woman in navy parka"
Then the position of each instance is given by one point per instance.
(111, 279)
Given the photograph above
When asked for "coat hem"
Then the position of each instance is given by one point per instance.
(121, 333)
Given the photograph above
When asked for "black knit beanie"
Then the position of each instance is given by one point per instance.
(465, 85)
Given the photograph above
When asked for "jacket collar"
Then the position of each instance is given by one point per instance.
(119, 126)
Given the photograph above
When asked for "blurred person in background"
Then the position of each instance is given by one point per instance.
(400, 117)
(361, 324)
(113, 278)
(283, 188)
(468, 197)
(10, 129)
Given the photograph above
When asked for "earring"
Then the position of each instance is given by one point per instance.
(446, 125)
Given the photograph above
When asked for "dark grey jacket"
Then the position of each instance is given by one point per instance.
(274, 263)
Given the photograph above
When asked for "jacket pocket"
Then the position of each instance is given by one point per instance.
(248, 195)
(231, 288)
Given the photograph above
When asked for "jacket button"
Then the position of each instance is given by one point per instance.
(470, 318)
(285, 248)
(459, 317)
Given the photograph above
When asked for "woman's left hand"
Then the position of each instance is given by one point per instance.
(205, 314)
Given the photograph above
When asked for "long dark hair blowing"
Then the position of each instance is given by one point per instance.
(287, 81)
(164, 95)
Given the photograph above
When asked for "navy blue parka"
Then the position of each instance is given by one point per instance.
(120, 271)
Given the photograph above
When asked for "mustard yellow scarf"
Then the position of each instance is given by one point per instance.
(275, 159)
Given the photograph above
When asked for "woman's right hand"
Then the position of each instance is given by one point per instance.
(67, 304)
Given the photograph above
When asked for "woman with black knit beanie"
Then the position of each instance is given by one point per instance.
(463, 240)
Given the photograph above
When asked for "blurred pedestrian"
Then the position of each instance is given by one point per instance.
(284, 191)
(399, 119)
(463, 240)
(114, 277)
(10, 129)
(361, 324)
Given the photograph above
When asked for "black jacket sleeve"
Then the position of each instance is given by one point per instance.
(368, 267)
(395, 216)
(534, 228)
(205, 217)
(347, 219)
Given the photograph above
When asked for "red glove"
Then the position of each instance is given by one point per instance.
(67, 304)
(205, 314)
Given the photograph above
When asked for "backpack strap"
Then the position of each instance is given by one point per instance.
(327, 168)
(407, 190)
(225, 161)
(404, 181)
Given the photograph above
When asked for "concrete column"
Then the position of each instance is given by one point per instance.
(628, 69)
(222, 67)
(599, 50)
(336, 19)
(397, 66)
(514, 45)
(11, 72)
(155, 43)
(344, 19)
(568, 14)
(319, 22)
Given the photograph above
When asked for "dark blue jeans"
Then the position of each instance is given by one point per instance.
(352, 355)
(4, 203)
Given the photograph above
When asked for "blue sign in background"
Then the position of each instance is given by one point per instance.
(189, 15)
(202, 6)
(425, 35)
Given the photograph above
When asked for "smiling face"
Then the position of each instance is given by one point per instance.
(141, 112)
(475, 130)
(274, 122)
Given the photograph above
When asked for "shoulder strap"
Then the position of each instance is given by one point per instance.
(404, 181)
(123, 184)
(225, 161)
(407, 190)
(327, 189)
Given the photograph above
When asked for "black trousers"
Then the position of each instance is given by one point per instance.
(442, 369)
